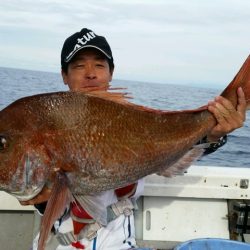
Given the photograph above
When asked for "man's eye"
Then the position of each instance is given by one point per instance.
(3, 143)
(100, 65)
(79, 65)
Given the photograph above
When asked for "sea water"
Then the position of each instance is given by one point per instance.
(17, 83)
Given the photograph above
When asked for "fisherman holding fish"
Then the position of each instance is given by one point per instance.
(105, 221)
(80, 156)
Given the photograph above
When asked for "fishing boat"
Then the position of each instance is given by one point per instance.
(205, 202)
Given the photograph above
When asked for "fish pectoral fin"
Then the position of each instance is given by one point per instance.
(60, 197)
(183, 163)
(94, 205)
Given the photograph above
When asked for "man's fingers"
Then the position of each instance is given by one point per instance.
(227, 117)
(242, 104)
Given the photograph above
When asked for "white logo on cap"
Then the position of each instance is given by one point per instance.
(81, 42)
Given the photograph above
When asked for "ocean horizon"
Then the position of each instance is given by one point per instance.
(17, 83)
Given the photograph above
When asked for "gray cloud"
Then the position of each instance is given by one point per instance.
(163, 41)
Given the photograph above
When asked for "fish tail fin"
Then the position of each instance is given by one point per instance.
(60, 197)
(242, 79)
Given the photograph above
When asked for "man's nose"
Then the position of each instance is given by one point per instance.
(90, 72)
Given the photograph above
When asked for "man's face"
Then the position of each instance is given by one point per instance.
(88, 68)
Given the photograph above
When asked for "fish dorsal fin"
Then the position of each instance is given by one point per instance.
(118, 95)
(105, 91)
(59, 199)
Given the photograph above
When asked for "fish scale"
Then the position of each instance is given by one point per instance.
(80, 143)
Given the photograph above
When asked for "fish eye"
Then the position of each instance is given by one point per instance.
(3, 143)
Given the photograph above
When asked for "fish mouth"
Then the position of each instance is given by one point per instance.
(29, 178)
(28, 194)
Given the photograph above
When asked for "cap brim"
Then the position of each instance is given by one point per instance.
(87, 46)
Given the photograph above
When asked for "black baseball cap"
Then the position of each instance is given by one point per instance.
(84, 39)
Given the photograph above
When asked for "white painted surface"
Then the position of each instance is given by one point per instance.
(9, 202)
(181, 219)
(201, 182)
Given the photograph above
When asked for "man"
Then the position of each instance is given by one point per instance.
(106, 221)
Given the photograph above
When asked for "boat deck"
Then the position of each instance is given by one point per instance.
(199, 204)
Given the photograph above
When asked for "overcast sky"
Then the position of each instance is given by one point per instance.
(169, 41)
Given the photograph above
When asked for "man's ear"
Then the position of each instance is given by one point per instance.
(64, 77)
(111, 74)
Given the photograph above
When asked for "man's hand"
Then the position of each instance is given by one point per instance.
(228, 117)
(41, 197)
